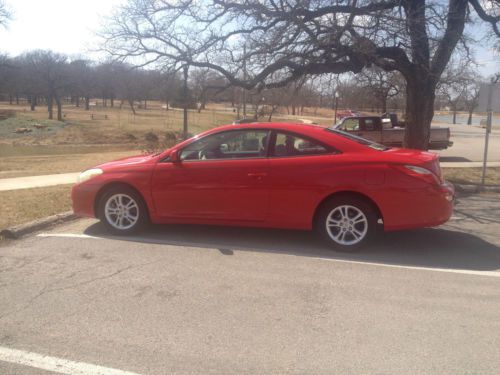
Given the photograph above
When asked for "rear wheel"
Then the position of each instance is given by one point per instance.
(346, 223)
(122, 210)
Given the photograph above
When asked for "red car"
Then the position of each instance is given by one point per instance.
(272, 175)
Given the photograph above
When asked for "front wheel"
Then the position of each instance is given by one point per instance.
(122, 210)
(346, 223)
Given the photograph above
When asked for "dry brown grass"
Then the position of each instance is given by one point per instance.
(106, 125)
(21, 206)
(18, 166)
(119, 126)
(472, 175)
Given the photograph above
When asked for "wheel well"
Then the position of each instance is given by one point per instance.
(350, 194)
(113, 185)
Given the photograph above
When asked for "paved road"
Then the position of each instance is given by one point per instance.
(468, 144)
(210, 300)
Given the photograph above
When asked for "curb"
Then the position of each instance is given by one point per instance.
(32, 226)
(471, 189)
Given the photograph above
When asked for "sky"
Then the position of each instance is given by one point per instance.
(69, 26)
(65, 26)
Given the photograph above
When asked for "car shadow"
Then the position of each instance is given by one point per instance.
(453, 159)
(434, 248)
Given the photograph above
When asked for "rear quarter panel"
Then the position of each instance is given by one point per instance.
(298, 185)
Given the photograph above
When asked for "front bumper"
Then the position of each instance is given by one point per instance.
(83, 197)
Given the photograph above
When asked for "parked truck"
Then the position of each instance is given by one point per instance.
(384, 131)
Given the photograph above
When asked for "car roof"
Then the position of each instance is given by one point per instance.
(314, 131)
(289, 126)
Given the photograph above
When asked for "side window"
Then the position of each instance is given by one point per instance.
(369, 124)
(351, 124)
(292, 145)
(239, 144)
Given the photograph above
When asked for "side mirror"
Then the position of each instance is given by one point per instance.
(174, 156)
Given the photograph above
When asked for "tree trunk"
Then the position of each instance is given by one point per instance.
(11, 99)
(77, 100)
(420, 96)
(59, 108)
(272, 113)
(17, 99)
(50, 107)
(104, 102)
(293, 109)
(469, 120)
(33, 103)
(383, 101)
(112, 99)
(87, 103)
(454, 115)
(131, 103)
(145, 104)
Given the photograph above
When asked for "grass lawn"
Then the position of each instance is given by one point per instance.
(21, 206)
(471, 175)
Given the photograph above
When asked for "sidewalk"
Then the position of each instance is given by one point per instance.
(467, 164)
(37, 181)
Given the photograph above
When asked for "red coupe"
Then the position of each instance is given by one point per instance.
(272, 175)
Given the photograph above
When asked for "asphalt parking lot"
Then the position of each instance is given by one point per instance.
(212, 300)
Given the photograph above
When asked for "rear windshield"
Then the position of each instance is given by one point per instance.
(363, 141)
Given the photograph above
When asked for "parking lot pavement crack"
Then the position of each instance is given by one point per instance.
(23, 263)
(47, 289)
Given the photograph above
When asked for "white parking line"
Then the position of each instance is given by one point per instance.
(59, 365)
(68, 235)
(184, 244)
(448, 270)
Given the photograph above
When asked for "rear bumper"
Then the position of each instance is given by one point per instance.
(428, 208)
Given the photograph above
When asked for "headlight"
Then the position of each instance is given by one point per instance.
(88, 174)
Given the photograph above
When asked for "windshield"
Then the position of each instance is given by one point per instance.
(363, 141)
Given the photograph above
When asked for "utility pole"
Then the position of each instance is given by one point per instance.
(336, 106)
(185, 95)
(488, 130)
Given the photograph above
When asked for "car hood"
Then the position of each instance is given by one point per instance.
(127, 162)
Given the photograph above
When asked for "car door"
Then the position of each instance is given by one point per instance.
(222, 177)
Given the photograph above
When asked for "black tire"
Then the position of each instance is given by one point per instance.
(131, 195)
(333, 211)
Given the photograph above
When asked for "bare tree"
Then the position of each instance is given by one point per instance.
(459, 85)
(49, 71)
(5, 13)
(471, 98)
(83, 81)
(380, 84)
(296, 38)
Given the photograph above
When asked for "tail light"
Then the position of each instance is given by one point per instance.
(421, 173)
